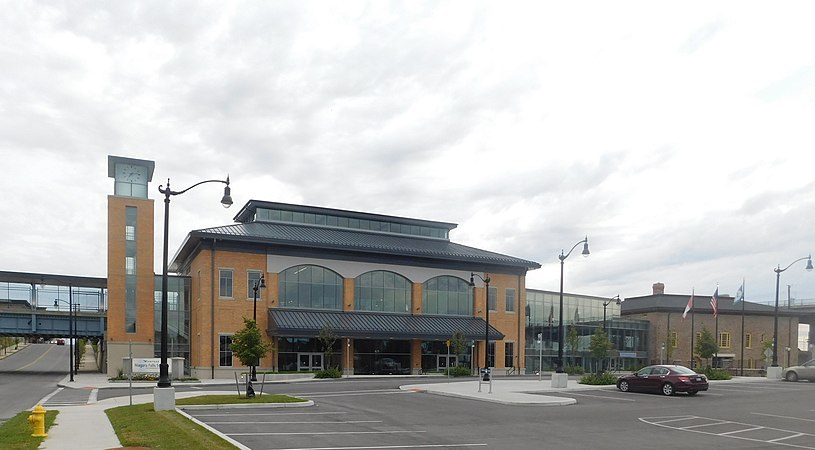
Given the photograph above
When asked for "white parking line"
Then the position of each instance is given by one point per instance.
(783, 417)
(705, 425)
(322, 422)
(599, 396)
(730, 434)
(322, 433)
(389, 446)
(787, 437)
(274, 414)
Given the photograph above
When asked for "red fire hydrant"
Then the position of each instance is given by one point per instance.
(37, 421)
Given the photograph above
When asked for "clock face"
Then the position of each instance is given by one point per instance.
(131, 173)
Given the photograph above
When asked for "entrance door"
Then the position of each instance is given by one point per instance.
(309, 361)
(444, 361)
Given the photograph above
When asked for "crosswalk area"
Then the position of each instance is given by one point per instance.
(70, 397)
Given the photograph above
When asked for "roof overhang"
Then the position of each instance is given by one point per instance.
(372, 325)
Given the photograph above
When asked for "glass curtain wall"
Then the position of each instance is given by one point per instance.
(178, 318)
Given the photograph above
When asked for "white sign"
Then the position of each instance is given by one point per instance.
(147, 365)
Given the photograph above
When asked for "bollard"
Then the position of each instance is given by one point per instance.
(37, 421)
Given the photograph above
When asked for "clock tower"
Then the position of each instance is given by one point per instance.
(131, 282)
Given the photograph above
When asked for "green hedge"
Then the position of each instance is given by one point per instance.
(458, 371)
(331, 372)
(717, 374)
(574, 370)
(604, 378)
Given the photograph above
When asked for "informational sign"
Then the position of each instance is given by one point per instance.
(628, 354)
(147, 365)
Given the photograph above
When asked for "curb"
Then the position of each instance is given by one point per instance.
(248, 405)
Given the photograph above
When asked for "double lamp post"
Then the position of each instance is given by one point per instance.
(778, 271)
(562, 257)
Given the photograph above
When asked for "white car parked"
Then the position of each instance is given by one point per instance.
(805, 371)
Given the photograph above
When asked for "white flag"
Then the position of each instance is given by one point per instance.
(740, 294)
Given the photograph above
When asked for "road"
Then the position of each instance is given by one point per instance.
(29, 375)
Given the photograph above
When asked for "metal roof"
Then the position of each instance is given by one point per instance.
(357, 241)
(363, 324)
(701, 305)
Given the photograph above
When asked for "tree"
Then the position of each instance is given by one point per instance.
(459, 344)
(706, 346)
(767, 344)
(248, 345)
(600, 347)
(327, 337)
(669, 346)
(573, 340)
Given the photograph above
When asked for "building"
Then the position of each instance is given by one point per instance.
(582, 316)
(671, 334)
(393, 290)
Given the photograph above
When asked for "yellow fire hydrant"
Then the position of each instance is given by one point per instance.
(37, 421)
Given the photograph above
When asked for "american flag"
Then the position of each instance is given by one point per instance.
(714, 303)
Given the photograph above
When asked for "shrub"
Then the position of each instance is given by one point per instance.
(458, 371)
(331, 372)
(574, 370)
(716, 374)
(603, 378)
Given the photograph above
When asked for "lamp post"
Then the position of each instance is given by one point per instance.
(616, 300)
(70, 332)
(259, 284)
(562, 258)
(226, 201)
(486, 315)
(778, 271)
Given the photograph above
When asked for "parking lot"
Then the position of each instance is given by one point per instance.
(761, 414)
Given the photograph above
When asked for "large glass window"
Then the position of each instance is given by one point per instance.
(447, 295)
(225, 289)
(225, 351)
(382, 291)
(131, 216)
(310, 287)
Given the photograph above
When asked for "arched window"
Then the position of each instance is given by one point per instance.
(382, 291)
(447, 295)
(310, 287)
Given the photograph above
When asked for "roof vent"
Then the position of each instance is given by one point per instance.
(659, 289)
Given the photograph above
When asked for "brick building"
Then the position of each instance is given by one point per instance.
(670, 334)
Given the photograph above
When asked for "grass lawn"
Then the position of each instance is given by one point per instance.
(15, 433)
(140, 426)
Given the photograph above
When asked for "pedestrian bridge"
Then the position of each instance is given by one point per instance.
(52, 324)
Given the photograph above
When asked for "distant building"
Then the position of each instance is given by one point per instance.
(671, 334)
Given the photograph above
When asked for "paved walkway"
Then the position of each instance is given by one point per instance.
(96, 433)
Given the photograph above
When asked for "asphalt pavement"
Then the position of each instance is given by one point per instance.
(79, 408)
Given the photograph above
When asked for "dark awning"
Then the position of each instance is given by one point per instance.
(358, 324)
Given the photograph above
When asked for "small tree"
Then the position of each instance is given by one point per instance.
(573, 340)
(327, 338)
(600, 346)
(248, 344)
(459, 343)
(706, 346)
(767, 344)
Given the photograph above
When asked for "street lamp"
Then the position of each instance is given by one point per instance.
(259, 284)
(562, 258)
(486, 316)
(226, 201)
(616, 300)
(70, 332)
(778, 271)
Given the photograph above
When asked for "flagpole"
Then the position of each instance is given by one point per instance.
(741, 372)
(692, 317)
(716, 314)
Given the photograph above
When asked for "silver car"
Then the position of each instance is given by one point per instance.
(805, 371)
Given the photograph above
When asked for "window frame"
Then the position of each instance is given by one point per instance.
(228, 351)
(492, 300)
(250, 284)
(231, 287)
(509, 300)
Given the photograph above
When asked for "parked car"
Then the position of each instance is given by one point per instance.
(60, 341)
(805, 371)
(667, 379)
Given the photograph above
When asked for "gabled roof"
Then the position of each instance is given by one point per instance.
(362, 324)
(311, 237)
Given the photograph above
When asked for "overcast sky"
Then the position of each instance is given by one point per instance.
(678, 137)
